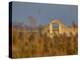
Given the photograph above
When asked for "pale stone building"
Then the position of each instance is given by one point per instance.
(61, 29)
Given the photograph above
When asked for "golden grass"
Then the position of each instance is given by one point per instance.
(34, 44)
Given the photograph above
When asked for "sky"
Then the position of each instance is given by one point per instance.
(43, 13)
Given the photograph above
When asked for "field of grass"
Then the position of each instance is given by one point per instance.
(35, 44)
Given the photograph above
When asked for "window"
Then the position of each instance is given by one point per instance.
(55, 26)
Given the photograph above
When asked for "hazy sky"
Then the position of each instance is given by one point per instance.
(43, 13)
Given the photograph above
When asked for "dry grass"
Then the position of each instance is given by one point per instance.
(35, 44)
